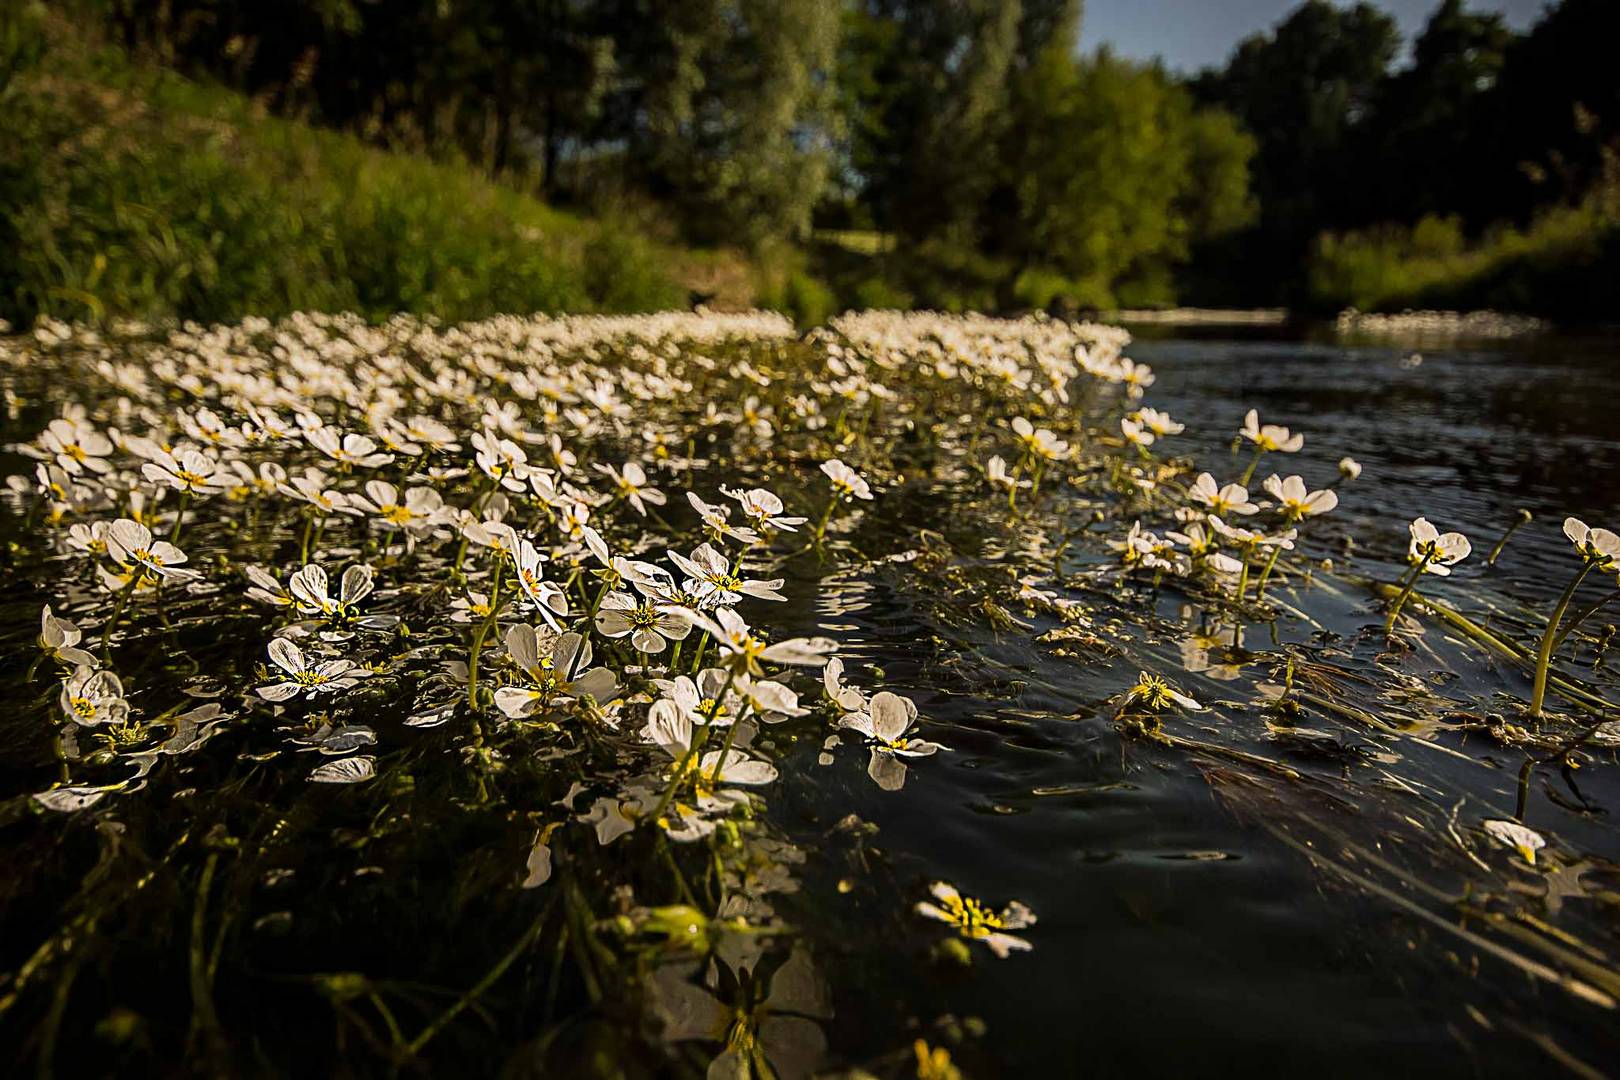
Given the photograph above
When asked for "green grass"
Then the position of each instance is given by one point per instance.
(1565, 264)
(126, 190)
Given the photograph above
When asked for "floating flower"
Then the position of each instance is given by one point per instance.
(976, 922)
(60, 639)
(303, 677)
(885, 723)
(93, 698)
(1511, 834)
(846, 482)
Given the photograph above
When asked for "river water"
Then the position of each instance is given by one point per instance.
(1184, 925)
(1272, 894)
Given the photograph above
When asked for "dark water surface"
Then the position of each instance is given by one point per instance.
(1252, 898)
(1183, 928)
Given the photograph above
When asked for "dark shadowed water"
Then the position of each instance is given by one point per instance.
(1184, 927)
(1265, 893)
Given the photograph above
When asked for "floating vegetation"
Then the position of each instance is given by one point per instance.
(489, 697)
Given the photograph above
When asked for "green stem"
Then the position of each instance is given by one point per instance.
(1248, 474)
(1585, 613)
(699, 737)
(1265, 575)
(1544, 656)
(180, 517)
(1408, 584)
(479, 634)
(1523, 518)
(118, 611)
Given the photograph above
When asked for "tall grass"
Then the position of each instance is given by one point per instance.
(126, 190)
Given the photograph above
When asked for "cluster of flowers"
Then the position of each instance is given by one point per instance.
(502, 486)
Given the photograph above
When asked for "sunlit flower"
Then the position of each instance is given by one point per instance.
(1294, 501)
(1599, 547)
(1272, 437)
(302, 677)
(630, 483)
(649, 625)
(92, 698)
(1230, 499)
(1155, 694)
(187, 471)
(60, 639)
(76, 446)
(1039, 444)
(711, 578)
(846, 482)
(744, 650)
(1511, 834)
(559, 676)
(1434, 552)
(976, 922)
(131, 543)
(885, 723)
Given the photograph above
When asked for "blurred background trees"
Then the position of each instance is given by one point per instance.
(955, 153)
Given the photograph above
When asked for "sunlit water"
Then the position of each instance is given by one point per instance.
(1176, 929)
(1282, 903)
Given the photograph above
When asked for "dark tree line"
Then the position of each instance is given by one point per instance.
(1000, 164)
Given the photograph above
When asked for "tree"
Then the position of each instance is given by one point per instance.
(1304, 90)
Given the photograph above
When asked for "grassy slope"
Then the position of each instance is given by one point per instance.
(127, 190)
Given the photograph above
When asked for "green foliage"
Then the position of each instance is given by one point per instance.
(1564, 264)
(132, 192)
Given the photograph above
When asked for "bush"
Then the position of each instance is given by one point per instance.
(1562, 265)
(127, 191)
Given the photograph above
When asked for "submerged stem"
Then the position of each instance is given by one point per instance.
(1544, 656)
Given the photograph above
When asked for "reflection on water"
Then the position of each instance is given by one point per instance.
(1183, 921)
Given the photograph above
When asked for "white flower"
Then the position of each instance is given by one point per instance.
(1154, 693)
(187, 471)
(1038, 442)
(76, 446)
(745, 651)
(631, 485)
(717, 521)
(1159, 423)
(130, 542)
(545, 597)
(1231, 499)
(561, 677)
(1295, 502)
(976, 922)
(646, 623)
(710, 577)
(1436, 553)
(59, 639)
(1600, 547)
(995, 473)
(1349, 468)
(846, 482)
(1135, 433)
(351, 450)
(1271, 436)
(763, 508)
(885, 724)
(92, 698)
(327, 677)
(417, 514)
(1511, 834)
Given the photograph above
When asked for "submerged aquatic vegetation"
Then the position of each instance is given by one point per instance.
(548, 619)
